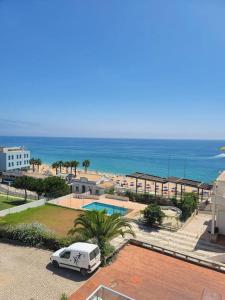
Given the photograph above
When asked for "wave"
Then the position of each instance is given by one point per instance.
(222, 155)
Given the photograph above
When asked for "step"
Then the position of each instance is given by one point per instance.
(167, 237)
(176, 241)
(163, 243)
(175, 237)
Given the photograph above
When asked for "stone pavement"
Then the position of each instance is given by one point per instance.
(190, 240)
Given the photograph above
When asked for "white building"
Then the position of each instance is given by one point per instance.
(93, 184)
(218, 204)
(14, 158)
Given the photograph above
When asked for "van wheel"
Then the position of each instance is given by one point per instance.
(83, 272)
(55, 264)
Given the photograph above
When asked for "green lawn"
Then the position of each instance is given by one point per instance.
(58, 219)
(10, 201)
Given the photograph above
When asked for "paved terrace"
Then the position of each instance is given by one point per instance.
(134, 207)
(144, 274)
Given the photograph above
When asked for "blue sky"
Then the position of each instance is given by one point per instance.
(143, 69)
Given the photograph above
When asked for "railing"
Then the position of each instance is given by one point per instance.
(193, 259)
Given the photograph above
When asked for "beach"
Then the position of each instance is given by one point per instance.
(121, 181)
(196, 159)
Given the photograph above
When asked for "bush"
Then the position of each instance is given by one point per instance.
(187, 205)
(153, 214)
(63, 297)
(36, 235)
(148, 198)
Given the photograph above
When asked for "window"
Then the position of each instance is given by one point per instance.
(66, 255)
(20, 163)
(20, 156)
(94, 253)
(12, 156)
(24, 162)
(12, 164)
(17, 156)
(17, 163)
(9, 164)
(9, 157)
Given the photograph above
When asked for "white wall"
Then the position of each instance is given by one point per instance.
(22, 207)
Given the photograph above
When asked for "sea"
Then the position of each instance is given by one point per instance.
(195, 159)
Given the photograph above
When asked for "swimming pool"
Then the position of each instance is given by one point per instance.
(110, 209)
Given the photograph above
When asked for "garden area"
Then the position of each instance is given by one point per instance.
(7, 201)
(55, 218)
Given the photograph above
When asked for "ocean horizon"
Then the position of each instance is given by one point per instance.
(195, 159)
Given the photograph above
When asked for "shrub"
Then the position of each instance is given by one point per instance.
(36, 235)
(147, 198)
(187, 204)
(153, 214)
(63, 297)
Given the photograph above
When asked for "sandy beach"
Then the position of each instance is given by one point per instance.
(120, 180)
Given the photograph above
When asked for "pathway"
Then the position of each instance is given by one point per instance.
(190, 240)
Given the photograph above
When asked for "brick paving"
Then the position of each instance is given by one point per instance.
(144, 274)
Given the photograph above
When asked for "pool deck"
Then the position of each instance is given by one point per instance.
(134, 208)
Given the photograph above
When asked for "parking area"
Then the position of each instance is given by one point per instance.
(25, 274)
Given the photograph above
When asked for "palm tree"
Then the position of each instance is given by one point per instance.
(55, 166)
(71, 166)
(86, 163)
(33, 162)
(102, 228)
(75, 164)
(60, 163)
(38, 163)
(66, 165)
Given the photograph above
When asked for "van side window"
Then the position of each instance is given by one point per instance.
(66, 255)
(94, 253)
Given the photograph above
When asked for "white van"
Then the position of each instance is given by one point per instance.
(83, 257)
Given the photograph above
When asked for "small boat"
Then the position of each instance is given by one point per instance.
(222, 148)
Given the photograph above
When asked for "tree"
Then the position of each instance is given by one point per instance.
(102, 228)
(55, 187)
(153, 214)
(25, 183)
(60, 164)
(75, 164)
(66, 165)
(33, 162)
(38, 163)
(55, 166)
(38, 187)
(187, 204)
(86, 164)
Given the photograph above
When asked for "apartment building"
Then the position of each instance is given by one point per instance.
(14, 158)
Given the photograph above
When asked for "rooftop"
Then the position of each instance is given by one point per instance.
(9, 149)
(82, 247)
(144, 274)
(177, 180)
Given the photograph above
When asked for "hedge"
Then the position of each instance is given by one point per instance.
(36, 235)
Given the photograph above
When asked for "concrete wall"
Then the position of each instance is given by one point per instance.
(121, 198)
(22, 207)
(56, 200)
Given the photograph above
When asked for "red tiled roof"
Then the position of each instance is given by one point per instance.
(144, 274)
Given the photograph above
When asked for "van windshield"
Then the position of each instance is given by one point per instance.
(94, 253)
